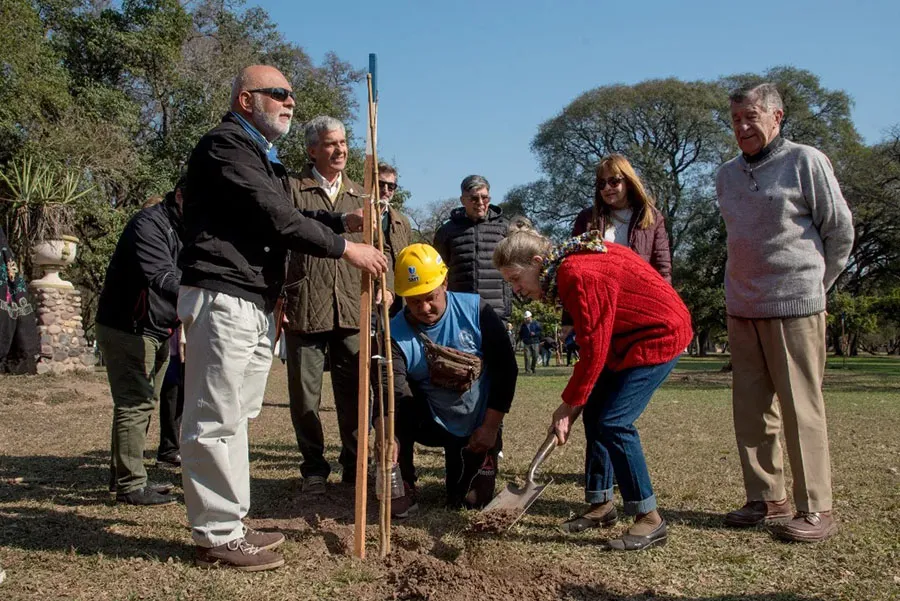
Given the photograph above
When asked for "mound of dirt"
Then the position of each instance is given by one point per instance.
(339, 537)
(494, 521)
(418, 576)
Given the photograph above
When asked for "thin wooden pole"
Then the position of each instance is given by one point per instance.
(383, 519)
(387, 432)
(388, 435)
(365, 356)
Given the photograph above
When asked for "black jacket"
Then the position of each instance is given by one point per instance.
(468, 250)
(240, 221)
(141, 287)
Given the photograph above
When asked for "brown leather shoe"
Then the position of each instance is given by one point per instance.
(266, 541)
(240, 555)
(757, 513)
(808, 527)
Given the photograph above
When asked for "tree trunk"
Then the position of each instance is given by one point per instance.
(702, 342)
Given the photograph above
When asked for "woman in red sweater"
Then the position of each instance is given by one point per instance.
(632, 327)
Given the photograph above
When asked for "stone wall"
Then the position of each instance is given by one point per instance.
(63, 345)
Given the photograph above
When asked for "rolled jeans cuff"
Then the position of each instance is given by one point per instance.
(639, 507)
(598, 496)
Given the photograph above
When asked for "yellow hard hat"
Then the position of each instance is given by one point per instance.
(419, 270)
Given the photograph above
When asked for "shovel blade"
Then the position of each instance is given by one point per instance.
(515, 501)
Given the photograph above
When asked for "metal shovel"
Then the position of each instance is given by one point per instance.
(514, 501)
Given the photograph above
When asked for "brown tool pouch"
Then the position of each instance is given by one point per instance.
(449, 368)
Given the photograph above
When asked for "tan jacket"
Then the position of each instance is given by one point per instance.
(322, 294)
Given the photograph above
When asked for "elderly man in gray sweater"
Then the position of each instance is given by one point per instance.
(790, 233)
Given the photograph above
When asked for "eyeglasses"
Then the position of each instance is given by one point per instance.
(479, 198)
(612, 181)
(279, 94)
(391, 186)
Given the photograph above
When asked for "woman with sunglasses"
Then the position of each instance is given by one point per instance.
(624, 213)
(632, 327)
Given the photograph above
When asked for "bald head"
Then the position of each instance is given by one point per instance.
(259, 95)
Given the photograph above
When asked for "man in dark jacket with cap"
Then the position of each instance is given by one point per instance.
(467, 241)
(135, 317)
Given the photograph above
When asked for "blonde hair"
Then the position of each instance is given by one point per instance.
(519, 248)
(637, 195)
(152, 202)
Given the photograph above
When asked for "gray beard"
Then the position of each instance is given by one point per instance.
(267, 124)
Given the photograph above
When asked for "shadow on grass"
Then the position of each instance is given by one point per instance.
(79, 480)
(596, 592)
(34, 529)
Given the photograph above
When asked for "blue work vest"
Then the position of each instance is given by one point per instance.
(459, 328)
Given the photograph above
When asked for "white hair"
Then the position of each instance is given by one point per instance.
(317, 126)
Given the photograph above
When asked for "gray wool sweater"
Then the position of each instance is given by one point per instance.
(789, 229)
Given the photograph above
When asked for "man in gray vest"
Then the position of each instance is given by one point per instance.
(789, 236)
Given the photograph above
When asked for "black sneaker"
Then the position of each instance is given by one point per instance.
(162, 488)
(144, 496)
(170, 462)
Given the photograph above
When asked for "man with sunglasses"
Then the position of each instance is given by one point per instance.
(789, 235)
(239, 225)
(395, 225)
(467, 241)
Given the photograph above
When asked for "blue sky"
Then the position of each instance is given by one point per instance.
(464, 85)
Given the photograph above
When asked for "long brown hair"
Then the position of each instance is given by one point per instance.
(637, 195)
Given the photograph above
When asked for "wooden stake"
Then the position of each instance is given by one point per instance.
(365, 356)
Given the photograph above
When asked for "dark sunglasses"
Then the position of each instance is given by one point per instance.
(612, 181)
(391, 186)
(279, 94)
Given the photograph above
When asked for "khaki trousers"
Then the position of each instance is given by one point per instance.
(783, 357)
(227, 360)
(135, 366)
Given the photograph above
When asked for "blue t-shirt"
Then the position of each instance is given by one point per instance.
(459, 328)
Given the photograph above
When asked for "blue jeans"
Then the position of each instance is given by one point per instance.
(613, 443)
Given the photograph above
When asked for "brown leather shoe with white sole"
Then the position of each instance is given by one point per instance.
(239, 555)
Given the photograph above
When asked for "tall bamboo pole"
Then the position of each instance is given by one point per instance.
(365, 352)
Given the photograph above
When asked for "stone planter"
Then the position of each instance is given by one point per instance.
(52, 256)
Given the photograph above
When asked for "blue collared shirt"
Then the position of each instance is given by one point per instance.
(260, 139)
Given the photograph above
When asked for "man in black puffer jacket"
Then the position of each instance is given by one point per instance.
(135, 317)
(467, 241)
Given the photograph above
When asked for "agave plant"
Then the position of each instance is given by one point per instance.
(40, 200)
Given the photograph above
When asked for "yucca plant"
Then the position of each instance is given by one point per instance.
(39, 203)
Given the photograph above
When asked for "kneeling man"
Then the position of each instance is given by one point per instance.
(464, 420)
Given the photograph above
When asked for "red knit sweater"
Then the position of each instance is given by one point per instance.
(625, 315)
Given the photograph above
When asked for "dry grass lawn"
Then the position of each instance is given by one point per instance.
(62, 537)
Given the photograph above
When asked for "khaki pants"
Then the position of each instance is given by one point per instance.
(227, 360)
(783, 357)
(135, 366)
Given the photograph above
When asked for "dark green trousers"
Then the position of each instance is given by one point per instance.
(135, 366)
(306, 363)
